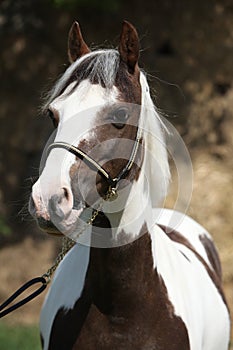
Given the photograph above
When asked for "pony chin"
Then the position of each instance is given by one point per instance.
(64, 227)
(70, 223)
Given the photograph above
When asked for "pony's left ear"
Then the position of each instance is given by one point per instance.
(76, 45)
(129, 46)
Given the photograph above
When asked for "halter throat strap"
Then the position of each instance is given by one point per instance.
(92, 164)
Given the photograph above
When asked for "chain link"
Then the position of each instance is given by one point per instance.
(68, 243)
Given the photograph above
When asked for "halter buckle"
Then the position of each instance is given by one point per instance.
(112, 194)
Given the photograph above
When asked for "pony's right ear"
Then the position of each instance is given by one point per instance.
(129, 46)
(76, 45)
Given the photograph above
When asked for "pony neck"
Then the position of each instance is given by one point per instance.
(130, 223)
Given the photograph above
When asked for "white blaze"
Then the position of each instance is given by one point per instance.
(77, 111)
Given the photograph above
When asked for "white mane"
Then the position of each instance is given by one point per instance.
(156, 159)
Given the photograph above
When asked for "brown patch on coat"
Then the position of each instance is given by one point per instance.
(128, 84)
(113, 156)
(212, 256)
(128, 305)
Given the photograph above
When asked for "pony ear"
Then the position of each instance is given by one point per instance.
(76, 45)
(129, 46)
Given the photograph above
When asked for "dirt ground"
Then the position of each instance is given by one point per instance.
(211, 205)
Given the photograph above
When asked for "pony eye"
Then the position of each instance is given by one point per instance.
(119, 117)
(52, 116)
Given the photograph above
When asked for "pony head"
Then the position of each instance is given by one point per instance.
(98, 106)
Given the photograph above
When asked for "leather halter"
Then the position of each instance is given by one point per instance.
(95, 165)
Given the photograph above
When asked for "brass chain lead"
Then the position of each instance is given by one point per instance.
(68, 243)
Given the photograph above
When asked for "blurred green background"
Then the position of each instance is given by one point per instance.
(19, 337)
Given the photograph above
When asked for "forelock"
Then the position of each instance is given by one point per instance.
(99, 67)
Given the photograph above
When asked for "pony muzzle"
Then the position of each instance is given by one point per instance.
(51, 209)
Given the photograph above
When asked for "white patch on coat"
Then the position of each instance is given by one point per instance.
(190, 289)
(66, 288)
(186, 226)
(77, 113)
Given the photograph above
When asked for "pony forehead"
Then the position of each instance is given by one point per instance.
(99, 67)
(85, 97)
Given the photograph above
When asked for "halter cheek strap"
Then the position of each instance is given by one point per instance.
(95, 165)
(85, 158)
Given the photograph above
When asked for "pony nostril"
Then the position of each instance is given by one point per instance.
(55, 206)
(61, 204)
(67, 196)
(66, 193)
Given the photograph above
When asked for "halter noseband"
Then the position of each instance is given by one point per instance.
(95, 165)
